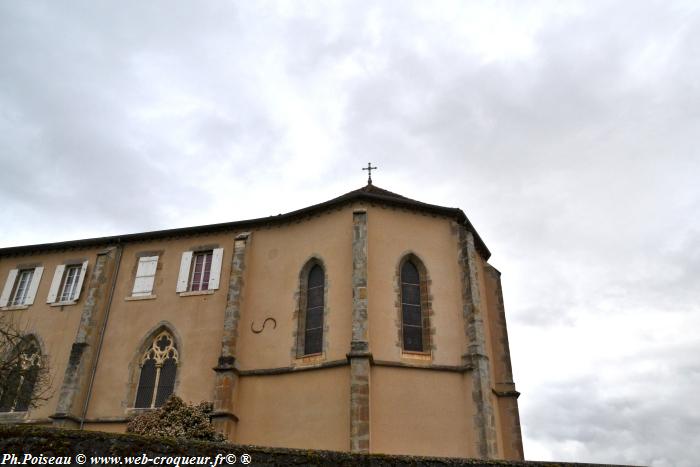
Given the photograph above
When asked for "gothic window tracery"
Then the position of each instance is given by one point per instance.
(158, 371)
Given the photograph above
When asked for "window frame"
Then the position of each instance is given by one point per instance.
(427, 330)
(23, 286)
(69, 283)
(302, 311)
(201, 285)
(407, 304)
(314, 308)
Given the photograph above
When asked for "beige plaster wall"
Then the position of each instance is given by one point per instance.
(55, 327)
(419, 412)
(274, 261)
(308, 409)
(197, 322)
(391, 235)
(470, 413)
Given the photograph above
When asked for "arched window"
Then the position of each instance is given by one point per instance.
(158, 371)
(313, 328)
(20, 373)
(312, 285)
(415, 305)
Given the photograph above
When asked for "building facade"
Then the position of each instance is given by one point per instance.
(368, 323)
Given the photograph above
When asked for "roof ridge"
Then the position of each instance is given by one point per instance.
(377, 191)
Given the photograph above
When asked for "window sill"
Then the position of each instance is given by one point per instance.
(140, 297)
(71, 302)
(198, 292)
(311, 359)
(15, 307)
(417, 356)
(133, 411)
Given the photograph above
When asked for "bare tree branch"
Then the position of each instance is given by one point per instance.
(25, 380)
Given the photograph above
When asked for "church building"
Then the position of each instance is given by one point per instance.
(368, 323)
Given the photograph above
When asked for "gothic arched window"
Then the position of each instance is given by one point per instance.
(22, 371)
(313, 327)
(312, 285)
(158, 371)
(415, 307)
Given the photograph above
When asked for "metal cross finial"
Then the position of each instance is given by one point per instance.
(369, 169)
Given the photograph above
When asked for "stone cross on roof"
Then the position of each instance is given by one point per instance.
(369, 169)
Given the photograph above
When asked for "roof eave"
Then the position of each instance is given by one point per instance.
(454, 213)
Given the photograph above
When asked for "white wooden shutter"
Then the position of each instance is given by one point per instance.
(147, 266)
(55, 283)
(83, 269)
(7, 290)
(145, 274)
(184, 276)
(215, 271)
(34, 286)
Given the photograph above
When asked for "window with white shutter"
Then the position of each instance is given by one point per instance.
(67, 283)
(21, 287)
(200, 271)
(145, 276)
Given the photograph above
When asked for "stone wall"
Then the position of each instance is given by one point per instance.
(21, 440)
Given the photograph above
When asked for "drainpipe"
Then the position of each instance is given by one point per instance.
(102, 333)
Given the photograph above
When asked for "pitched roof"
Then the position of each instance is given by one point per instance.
(371, 193)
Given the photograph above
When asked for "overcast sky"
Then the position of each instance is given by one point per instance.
(567, 131)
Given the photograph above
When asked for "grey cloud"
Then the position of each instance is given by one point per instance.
(76, 81)
(641, 428)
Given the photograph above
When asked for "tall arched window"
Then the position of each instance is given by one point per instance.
(22, 371)
(311, 309)
(158, 371)
(412, 318)
(313, 327)
(415, 305)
